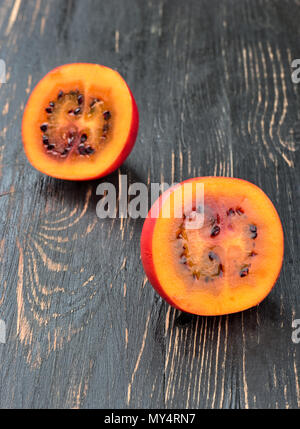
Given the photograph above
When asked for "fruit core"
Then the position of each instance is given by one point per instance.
(224, 245)
(75, 125)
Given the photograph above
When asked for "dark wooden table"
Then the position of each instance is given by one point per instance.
(85, 329)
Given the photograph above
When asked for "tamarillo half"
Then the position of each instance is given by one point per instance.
(229, 263)
(80, 122)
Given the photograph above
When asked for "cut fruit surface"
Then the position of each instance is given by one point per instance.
(80, 122)
(227, 264)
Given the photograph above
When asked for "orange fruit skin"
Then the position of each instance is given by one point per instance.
(148, 260)
(124, 153)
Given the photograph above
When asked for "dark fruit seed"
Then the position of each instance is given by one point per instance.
(252, 253)
(44, 127)
(253, 230)
(71, 112)
(107, 115)
(83, 138)
(105, 128)
(49, 110)
(80, 99)
(94, 102)
(50, 147)
(60, 94)
(51, 104)
(230, 212)
(45, 140)
(215, 231)
(244, 272)
(240, 211)
(81, 149)
(77, 111)
(212, 256)
(89, 150)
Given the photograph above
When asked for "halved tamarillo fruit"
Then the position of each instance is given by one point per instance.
(80, 122)
(226, 264)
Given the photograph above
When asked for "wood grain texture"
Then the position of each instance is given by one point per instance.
(84, 328)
